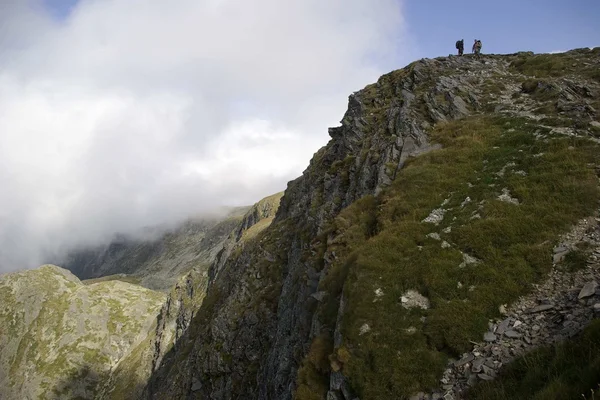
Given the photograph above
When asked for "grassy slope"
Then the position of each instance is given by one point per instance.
(382, 244)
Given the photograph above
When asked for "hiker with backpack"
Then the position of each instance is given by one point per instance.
(460, 46)
(477, 47)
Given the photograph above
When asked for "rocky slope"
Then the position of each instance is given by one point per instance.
(158, 263)
(60, 338)
(437, 200)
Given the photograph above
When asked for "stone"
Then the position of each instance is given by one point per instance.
(464, 360)
(485, 377)
(588, 290)
(503, 326)
(502, 309)
(595, 124)
(364, 329)
(596, 308)
(319, 296)
(436, 216)
(196, 385)
(512, 334)
(413, 299)
(558, 257)
(468, 260)
(540, 308)
(507, 198)
(379, 292)
(434, 236)
(489, 337)
(488, 371)
(477, 364)
(446, 245)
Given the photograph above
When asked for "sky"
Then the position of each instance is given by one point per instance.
(117, 115)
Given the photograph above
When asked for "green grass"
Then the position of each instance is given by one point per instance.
(555, 65)
(381, 243)
(577, 259)
(569, 370)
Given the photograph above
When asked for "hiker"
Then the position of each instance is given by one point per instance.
(477, 47)
(460, 46)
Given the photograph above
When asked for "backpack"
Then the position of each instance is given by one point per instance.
(458, 43)
(478, 44)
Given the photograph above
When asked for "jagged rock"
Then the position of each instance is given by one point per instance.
(434, 235)
(436, 216)
(507, 198)
(413, 299)
(588, 290)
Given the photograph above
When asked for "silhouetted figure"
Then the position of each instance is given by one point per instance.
(460, 46)
(477, 47)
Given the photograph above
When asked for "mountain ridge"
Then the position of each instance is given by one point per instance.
(301, 261)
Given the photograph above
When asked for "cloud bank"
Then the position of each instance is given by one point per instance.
(128, 114)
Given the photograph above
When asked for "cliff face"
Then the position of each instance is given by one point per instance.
(345, 294)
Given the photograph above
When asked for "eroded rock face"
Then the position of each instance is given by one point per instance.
(60, 338)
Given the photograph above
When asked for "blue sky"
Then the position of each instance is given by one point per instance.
(59, 8)
(503, 26)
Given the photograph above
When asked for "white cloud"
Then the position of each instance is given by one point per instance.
(134, 113)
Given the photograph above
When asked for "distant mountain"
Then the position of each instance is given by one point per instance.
(157, 264)
(61, 338)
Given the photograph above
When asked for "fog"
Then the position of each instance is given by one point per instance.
(126, 114)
